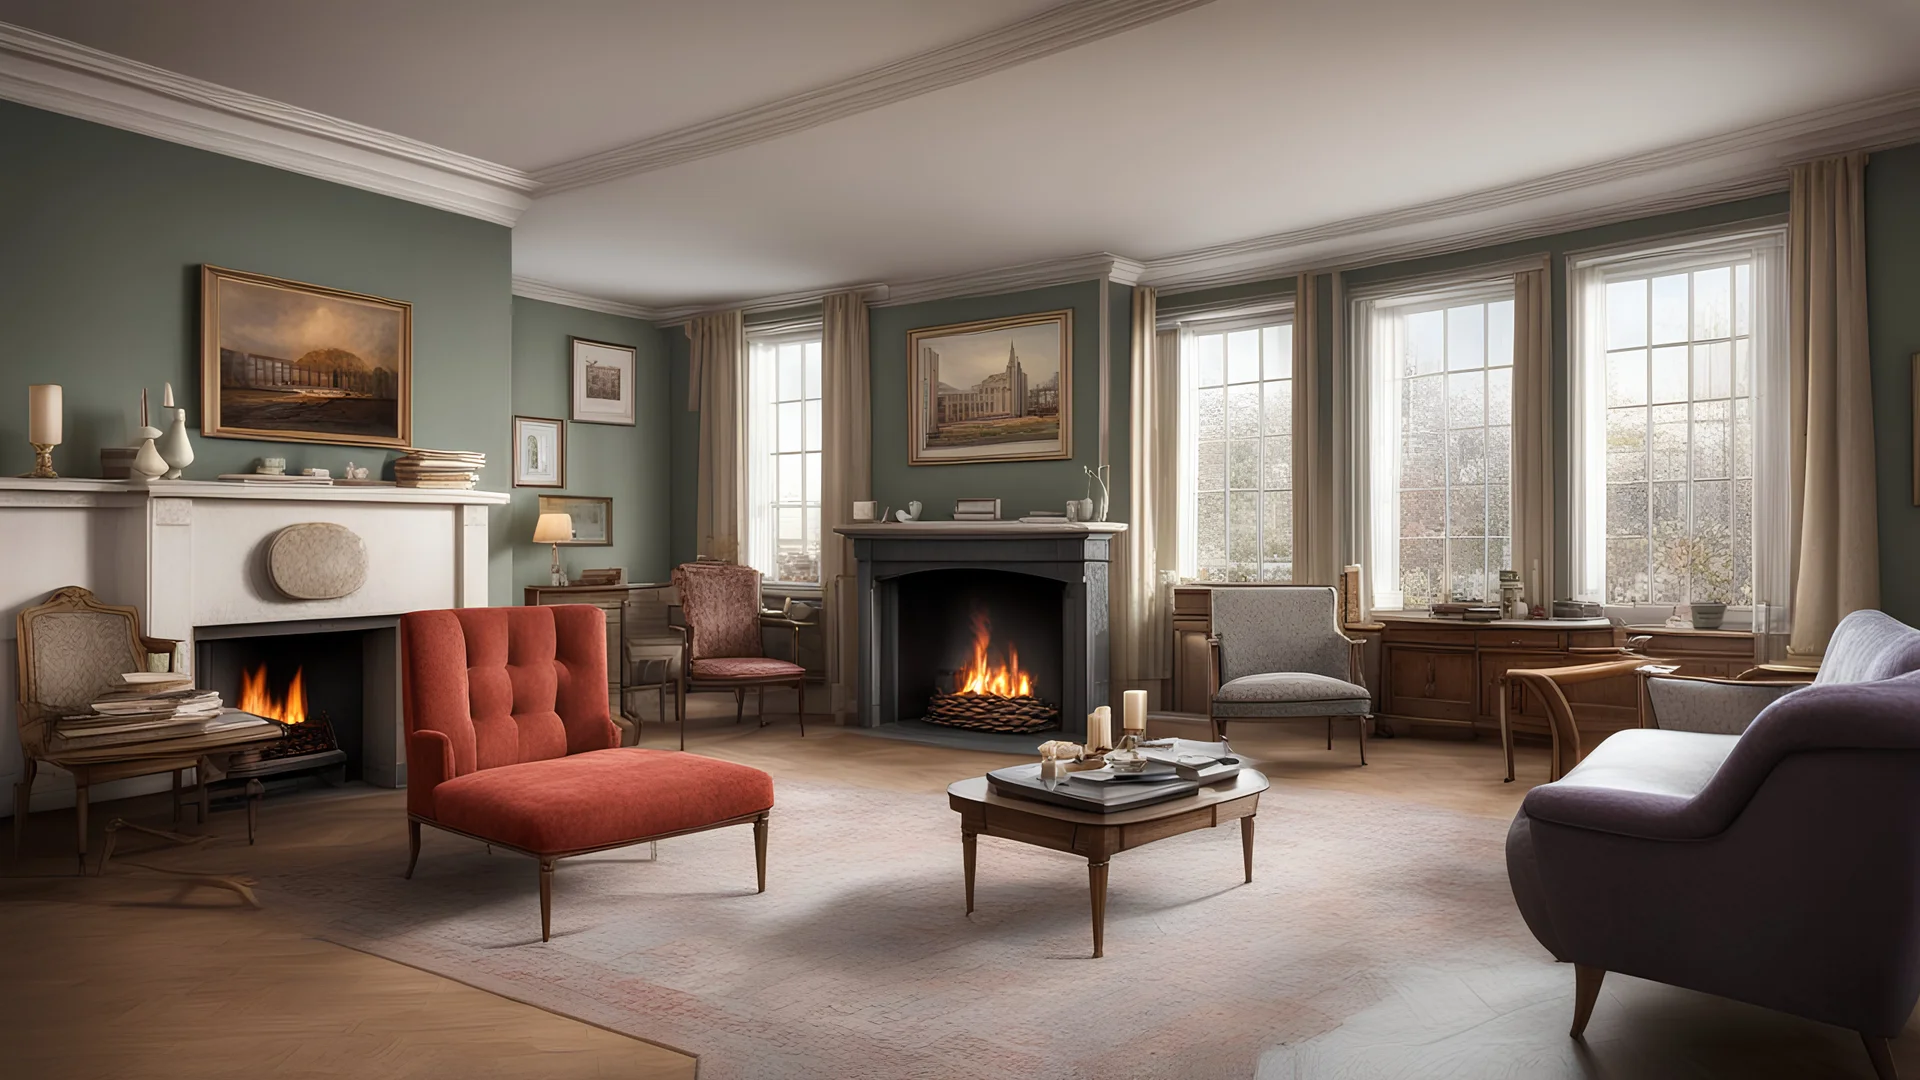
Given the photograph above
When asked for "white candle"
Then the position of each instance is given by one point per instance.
(166, 396)
(1099, 729)
(1133, 715)
(43, 415)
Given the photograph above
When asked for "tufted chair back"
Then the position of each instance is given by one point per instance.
(721, 603)
(1279, 628)
(485, 687)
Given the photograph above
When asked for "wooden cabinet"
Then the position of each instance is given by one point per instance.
(1427, 682)
(1453, 673)
(1718, 654)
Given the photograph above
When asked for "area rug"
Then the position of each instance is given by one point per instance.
(859, 960)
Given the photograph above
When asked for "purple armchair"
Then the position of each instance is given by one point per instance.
(1778, 866)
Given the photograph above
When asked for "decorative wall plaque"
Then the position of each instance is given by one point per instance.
(317, 560)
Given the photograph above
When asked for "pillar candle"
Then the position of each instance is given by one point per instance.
(1099, 729)
(43, 415)
(1133, 716)
(166, 396)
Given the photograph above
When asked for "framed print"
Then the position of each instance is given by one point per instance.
(290, 362)
(998, 390)
(592, 517)
(602, 382)
(539, 452)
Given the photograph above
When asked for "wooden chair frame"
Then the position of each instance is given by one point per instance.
(690, 684)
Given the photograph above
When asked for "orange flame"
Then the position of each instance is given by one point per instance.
(987, 677)
(255, 699)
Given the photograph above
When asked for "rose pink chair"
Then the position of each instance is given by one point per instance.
(509, 742)
(721, 647)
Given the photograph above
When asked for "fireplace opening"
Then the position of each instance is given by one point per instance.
(981, 650)
(313, 683)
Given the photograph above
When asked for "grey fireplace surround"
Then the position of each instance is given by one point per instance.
(1076, 555)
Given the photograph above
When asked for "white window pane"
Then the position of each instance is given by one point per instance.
(1713, 370)
(1499, 453)
(1426, 339)
(1211, 405)
(1627, 314)
(789, 487)
(1210, 357)
(1741, 438)
(813, 369)
(1712, 455)
(1243, 356)
(1276, 351)
(1466, 337)
(1468, 577)
(1742, 298)
(792, 426)
(792, 385)
(813, 424)
(1500, 396)
(1277, 464)
(1423, 403)
(1211, 466)
(1669, 309)
(1626, 445)
(1499, 520)
(1423, 513)
(1211, 527)
(1243, 527)
(1467, 456)
(1627, 509)
(1243, 464)
(1277, 410)
(1500, 334)
(1712, 303)
(1669, 449)
(1277, 535)
(1742, 367)
(1423, 460)
(1627, 571)
(813, 478)
(791, 532)
(1243, 411)
(1670, 374)
(1627, 378)
(1466, 399)
(1467, 511)
(1422, 566)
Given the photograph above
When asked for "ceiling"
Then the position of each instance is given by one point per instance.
(1143, 127)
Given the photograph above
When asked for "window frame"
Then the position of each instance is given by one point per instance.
(761, 481)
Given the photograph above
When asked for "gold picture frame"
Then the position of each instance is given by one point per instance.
(967, 404)
(285, 361)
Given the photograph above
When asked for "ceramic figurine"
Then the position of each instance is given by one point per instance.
(147, 462)
(174, 447)
(1096, 504)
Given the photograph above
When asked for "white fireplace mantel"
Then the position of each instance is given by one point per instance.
(190, 554)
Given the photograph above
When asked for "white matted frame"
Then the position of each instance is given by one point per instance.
(539, 452)
(602, 381)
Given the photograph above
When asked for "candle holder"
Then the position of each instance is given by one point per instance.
(42, 462)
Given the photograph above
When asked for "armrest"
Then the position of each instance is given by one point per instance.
(429, 764)
(1213, 667)
(1356, 661)
(1713, 706)
(1548, 684)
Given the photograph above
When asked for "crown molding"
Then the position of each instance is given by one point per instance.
(1034, 275)
(61, 76)
(873, 293)
(535, 289)
(1054, 30)
(1744, 163)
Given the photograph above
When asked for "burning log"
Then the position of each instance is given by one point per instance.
(1016, 715)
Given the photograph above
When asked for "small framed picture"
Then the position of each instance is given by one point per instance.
(602, 382)
(539, 452)
(592, 517)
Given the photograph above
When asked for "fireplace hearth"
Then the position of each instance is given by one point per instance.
(993, 692)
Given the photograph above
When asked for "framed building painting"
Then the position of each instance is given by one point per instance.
(602, 382)
(290, 362)
(997, 390)
(539, 452)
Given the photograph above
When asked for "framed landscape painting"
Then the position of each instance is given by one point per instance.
(290, 362)
(999, 390)
(602, 382)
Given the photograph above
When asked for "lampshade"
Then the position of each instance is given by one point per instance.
(553, 529)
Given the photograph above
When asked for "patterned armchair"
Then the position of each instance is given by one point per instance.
(1278, 654)
(70, 648)
(721, 647)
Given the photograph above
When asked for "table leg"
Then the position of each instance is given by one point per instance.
(1246, 844)
(969, 841)
(1506, 726)
(1097, 886)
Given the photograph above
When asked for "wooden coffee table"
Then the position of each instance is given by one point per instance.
(984, 812)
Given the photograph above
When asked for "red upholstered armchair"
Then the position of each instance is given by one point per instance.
(721, 641)
(509, 742)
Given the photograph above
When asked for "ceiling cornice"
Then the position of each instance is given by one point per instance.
(534, 289)
(61, 76)
(1054, 30)
(1033, 275)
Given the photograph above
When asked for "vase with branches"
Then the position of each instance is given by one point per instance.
(1703, 560)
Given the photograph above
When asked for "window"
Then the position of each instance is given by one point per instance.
(1236, 516)
(783, 456)
(1437, 459)
(1677, 372)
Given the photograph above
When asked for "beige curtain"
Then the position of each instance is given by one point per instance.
(1142, 626)
(718, 359)
(1315, 561)
(846, 475)
(1532, 491)
(1836, 537)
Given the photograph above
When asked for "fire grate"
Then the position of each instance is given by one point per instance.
(992, 712)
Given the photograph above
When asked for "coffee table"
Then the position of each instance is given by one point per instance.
(1099, 837)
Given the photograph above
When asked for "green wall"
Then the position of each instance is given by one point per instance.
(1893, 333)
(684, 437)
(101, 236)
(629, 464)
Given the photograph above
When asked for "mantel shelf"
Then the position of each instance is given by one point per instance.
(16, 491)
(916, 530)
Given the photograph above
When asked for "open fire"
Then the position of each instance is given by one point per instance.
(992, 693)
(258, 700)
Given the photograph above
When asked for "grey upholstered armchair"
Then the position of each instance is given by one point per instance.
(1278, 654)
(1775, 862)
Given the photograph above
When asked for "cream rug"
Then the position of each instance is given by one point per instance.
(859, 960)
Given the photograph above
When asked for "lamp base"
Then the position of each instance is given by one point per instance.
(558, 576)
(42, 462)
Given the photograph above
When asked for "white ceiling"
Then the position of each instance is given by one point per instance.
(1215, 123)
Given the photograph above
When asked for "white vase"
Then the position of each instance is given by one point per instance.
(147, 462)
(174, 447)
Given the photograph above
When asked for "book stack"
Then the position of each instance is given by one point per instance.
(1471, 611)
(1045, 517)
(452, 469)
(976, 510)
(141, 707)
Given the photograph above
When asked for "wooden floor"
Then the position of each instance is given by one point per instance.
(136, 974)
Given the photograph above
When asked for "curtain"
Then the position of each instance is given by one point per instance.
(1314, 559)
(1532, 491)
(1143, 627)
(846, 476)
(1837, 565)
(717, 361)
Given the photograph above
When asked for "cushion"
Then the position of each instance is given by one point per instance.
(599, 799)
(1291, 693)
(746, 667)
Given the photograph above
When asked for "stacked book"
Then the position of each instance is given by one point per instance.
(147, 707)
(1471, 611)
(976, 510)
(457, 469)
(1045, 517)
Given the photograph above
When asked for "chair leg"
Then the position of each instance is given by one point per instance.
(1586, 990)
(802, 708)
(739, 703)
(546, 899)
(760, 850)
(413, 846)
(1219, 728)
(22, 802)
(176, 795)
(1881, 1054)
(255, 792)
(1363, 739)
(80, 820)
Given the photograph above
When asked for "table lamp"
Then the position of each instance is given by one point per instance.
(43, 428)
(555, 529)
